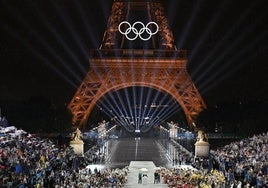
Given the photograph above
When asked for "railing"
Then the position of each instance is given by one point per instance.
(145, 53)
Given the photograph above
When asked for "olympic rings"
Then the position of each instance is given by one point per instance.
(138, 33)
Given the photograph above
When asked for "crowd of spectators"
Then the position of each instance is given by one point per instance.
(191, 177)
(240, 164)
(29, 161)
(245, 162)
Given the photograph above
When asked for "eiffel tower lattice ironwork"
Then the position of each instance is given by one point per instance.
(121, 63)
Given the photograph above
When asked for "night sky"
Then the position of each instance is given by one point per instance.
(44, 46)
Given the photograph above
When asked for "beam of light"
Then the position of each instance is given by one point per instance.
(59, 38)
(187, 29)
(129, 105)
(220, 44)
(67, 21)
(205, 33)
(174, 106)
(218, 47)
(139, 107)
(142, 115)
(134, 103)
(122, 120)
(225, 68)
(136, 150)
(105, 8)
(140, 103)
(229, 50)
(122, 105)
(118, 113)
(174, 78)
(138, 120)
(133, 99)
(156, 95)
(117, 108)
(127, 111)
(147, 101)
(156, 113)
(37, 54)
(109, 94)
(166, 96)
(152, 112)
(107, 106)
(43, 42)
(166, 114)
(87, 22)
(172, 8)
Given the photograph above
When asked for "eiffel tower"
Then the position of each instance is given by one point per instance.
(122, 62)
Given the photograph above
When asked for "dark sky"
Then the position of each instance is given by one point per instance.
(44, 46)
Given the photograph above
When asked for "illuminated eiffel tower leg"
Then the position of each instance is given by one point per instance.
(112, 67)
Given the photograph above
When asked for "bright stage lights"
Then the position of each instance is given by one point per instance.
(140, 116)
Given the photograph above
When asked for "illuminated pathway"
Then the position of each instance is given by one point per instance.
(125, 150)
(138, 153)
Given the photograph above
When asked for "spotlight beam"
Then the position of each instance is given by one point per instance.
(116, 111)
(86, 22)
(161, 113)
(59, 39)
(44, 43)
(241, 53)
(140, 111)
(119, 121)
(211, 24)
(164, 98)
(168, 113)
(173, 8)
(219, 45)
(37, 54)
(229, 50)
(189, 25)
(67, 22)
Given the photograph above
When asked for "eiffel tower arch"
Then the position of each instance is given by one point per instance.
(120, 62)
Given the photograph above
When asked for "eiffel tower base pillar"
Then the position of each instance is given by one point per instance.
(78, 147)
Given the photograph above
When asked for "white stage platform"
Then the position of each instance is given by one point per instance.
(134, 169)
